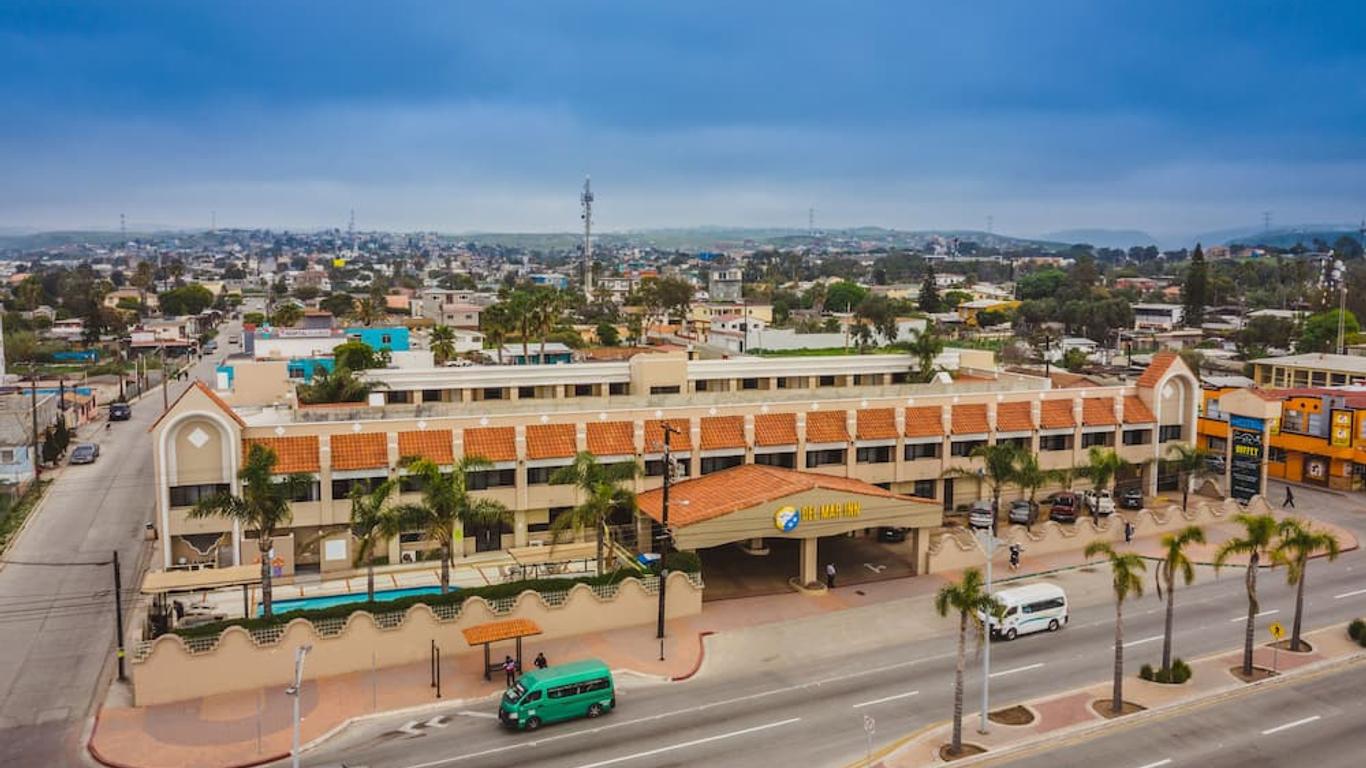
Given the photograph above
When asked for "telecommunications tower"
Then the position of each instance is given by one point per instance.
(586, 199)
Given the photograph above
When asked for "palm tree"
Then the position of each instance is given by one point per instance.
(1192, 463)
(442, 343)
(1125, 568)
(926, 346)
(369, 311)
(286, 315)
(1030, 476)
(263, 506)
(335, 386)
(372, 524)
(447, 501)
(1103, 465)
(971, 600)
(1297, 542)
(546, 309)
(998, 468)
(602, 493)
(1260, 531)
(1174, 561)
(494, 322)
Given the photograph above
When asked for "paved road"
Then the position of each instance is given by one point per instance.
(1318, 722)
(57, 622)
(812, 714)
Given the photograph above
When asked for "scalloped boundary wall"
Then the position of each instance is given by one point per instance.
(172, 668)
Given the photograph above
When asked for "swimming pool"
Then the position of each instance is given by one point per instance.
(327, 601)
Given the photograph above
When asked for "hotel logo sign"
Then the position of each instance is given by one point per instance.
(787, 518)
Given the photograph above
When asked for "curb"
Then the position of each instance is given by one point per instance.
(32, 515)
(701, 656)
(102, 760)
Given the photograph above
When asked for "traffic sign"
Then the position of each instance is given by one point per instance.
(869, 724)
(1277, 631)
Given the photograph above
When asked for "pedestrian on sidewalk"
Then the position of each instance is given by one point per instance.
(510, 670)
(1289, 498)
(829, 575)
(540, 661)
(1128, 532)
(1015, 550)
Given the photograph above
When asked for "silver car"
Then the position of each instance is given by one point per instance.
(980, 514)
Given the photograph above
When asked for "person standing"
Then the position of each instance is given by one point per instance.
(1289, 498)
(510, 670)
(1128, 532)
(540, 661)
(829, 575)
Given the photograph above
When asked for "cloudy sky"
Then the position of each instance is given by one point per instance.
(475, 116)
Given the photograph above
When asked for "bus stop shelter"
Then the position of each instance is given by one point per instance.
(160, 584)
(491, 632)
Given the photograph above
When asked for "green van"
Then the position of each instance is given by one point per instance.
(578, 689)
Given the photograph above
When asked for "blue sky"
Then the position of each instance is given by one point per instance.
(459, 116)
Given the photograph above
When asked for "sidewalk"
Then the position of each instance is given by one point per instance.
(1071, 712)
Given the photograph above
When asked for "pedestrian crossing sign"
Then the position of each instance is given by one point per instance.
(1277, 631)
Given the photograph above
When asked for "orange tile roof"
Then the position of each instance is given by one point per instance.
(877, 424)
(1155, 370)
(503, 629)
(970, 419)
(611, 438)
(1056, 414)
(550, 441)
(218, 401)
(681, 440)
(1136, 411)
(1098, 412)
(747, 485)
(492, 443)
(775, 429)
(1014, 417)
(925, 421)
(363, 450)
(431, 444)
(827, 427)
(723, 432)
(292, 454)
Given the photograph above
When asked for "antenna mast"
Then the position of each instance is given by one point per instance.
(351, 232)
(586, 199)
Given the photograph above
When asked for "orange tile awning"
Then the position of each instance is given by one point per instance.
(292, 454)
(611, 438)
(1014, 417)
(492, 443)
(550, 441)
(720, 432)
(877, 424)
(827, 427)
(925, 421)
(1098, 412)
(1137, 412)
(503, 629)
(970, 420)
(720, 493)
(365, 450)
(1057, 414)
(773, 429)
(434, 445)
(681, 440)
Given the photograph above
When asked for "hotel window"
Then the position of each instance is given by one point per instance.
(539, 475)
(784, 382)
(551, 516)
(655, 467)
(409, 483)
(490, 478)
(961, 448)
(785, 459)
(702, 385)
(398, 398)
(1169, 432)
(189, 495)
(916, 451)
(493, 393)
(825, 458)
(1097, 439)
(826, 381)
(1138, 436)
(1022, 443)
(874, 454)
(749, 384)
(673, 390)
(618, 388)
(923, 489)
(526, 393)
(308, 492)
(341, 488)
(712, 464)
(431, 395)
(1275, 454)
(583, 390)
(1055, 442)
(901, 377)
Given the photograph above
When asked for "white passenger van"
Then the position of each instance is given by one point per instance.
(1030, 608)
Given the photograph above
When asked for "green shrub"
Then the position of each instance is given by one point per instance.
(1181, 671)
(1357, 629)
(1146, 672)
(681, 560)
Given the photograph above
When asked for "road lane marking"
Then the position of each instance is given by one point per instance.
(1017, 669)
(1350, 594)
(893, 697)
(1141, 642)
(693, 743)
(468, 713)
(1292, 724)
(1158, 764)
(1271, 612)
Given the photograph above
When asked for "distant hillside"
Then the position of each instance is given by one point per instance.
(722, 238)
(1104, 238)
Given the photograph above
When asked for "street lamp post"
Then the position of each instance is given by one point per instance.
(296, 692)
(988, 541)
(664, 537)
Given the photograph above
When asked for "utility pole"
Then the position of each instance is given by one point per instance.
(118, 614)
(165, 384)
(33, 392)
(988, 541)
(664, 536)
(296, 692)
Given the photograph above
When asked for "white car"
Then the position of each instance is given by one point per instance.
(1101, 503)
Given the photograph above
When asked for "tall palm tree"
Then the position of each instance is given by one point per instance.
(1259, 531)
(442, 343)
(1297, 542)
(1125, 568)
(495, 324)
(517, 307)
(547, 307)
(1174, 561)
(372, 524)
(369, 311)
(1103, 465)
(602, 496)
(1030, 476)
(263, 506)
(286, 315)
(926, 346)
(970, 599)
(998, 468)
(1192, 463)
(446, 502)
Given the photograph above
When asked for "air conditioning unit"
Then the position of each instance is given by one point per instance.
(407, 557)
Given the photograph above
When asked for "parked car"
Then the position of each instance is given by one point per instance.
(891, 535)
(1101, 503)
(1064, 507)
(1131, 499)
(981, 515)
(1023, 512)
(120, 412)
(85, 453)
